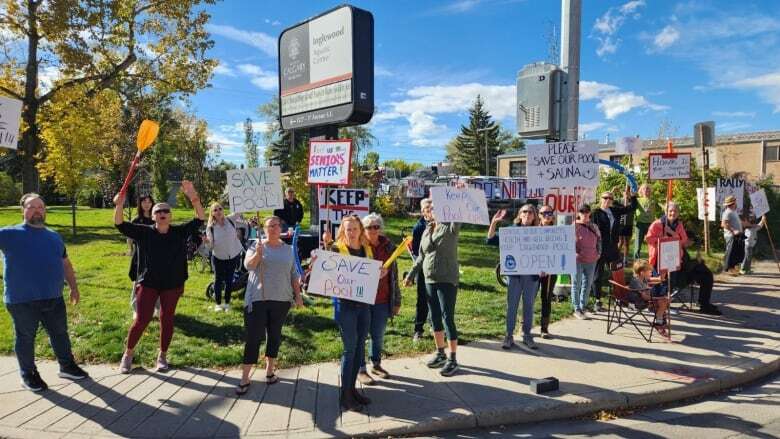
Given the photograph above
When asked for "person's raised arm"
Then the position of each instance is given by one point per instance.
(192, 195)
(119, 203)
(254, 255)
(497, 218)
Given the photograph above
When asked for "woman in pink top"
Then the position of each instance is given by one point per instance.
(588, 250)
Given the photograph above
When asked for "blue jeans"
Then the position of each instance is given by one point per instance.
(582, 284)
(26, 317)
(380, 314)
(524, 287)
(748, 256)
(353, 319)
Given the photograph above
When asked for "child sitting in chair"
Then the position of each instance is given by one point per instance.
(644, 289)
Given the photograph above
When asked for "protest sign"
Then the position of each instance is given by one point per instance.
(415, 188)
(628, 146)
(250, 190)
(669, 166)
(567, 201)
(669, 254)
(340, 203)
(760, 203)
(731, 186)
(517, 189)
(712, 214)
(344, 276)
(533, 250)
(10, 115)
(329, 161)
(563, 164)
(456, 205)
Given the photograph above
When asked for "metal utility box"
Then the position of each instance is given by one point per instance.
(539, 92)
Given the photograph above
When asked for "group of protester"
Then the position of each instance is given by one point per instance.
(36, 263)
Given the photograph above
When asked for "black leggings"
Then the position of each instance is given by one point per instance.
(547, 285)
(266, 319)
(421, 314)
(223, 277)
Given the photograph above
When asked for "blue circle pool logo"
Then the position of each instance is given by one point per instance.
(510, 263)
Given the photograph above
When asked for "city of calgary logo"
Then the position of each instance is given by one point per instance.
(295, 48)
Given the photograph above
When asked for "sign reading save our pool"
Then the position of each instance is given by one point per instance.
(534, 250)
(250, 190)
(329, 161)
(669, 166)
(459, 205)
(563, 164)
(344, 276)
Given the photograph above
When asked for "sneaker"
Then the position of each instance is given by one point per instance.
(711, 310)
(579, 314)
(744, 271)
(365, 379)
(546, 335)
(34, 382)
(509, 341)
(437, 360)
(380, 371)
(126, 365)
(226, 307)
(162, 364)
(417, 337)
(587, 315)
(449, 369)
(218, 308)
(529, 343)
(600, 307)
(73, 372)
(674, 312)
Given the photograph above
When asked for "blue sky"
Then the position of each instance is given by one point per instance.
(643, 62)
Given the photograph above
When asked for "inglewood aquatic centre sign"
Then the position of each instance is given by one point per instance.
(326, 70)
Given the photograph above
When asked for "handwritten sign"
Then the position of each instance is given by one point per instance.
(669, 256)
(415, 188)
(760, 203)
(10, 115)
(454, 205)
(731, 186)
(628, 146)
(517, 189)
(344, 276)
(566, 201)
(669, 166)
(250, 190)
(563, 164)
(533, 250)
(329, 161)
(712, 214)
(340, 203)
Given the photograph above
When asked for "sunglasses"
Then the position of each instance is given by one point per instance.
(162, 211)
(547, 213)
(373, 227)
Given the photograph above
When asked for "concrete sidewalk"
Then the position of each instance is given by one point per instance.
(596, 371)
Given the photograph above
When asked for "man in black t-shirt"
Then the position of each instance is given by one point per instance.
(292, 213)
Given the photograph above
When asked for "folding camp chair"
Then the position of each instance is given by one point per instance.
(620, 311)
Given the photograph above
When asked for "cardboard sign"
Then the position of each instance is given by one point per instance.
(10, 116)
(669, 166)
(330, 162)
(760, 203)
(669, 255)
(628, 146)
(712, 213)
(454, 205)
(250, 190)
(517, 189)
(567, 202)
(344, 276)
(533, 250)
(341, 202)
(731, 186)
(415, 188)
(563, 164)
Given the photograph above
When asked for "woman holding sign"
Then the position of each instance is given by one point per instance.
(547, 283)
(273, 286)
(522, 286)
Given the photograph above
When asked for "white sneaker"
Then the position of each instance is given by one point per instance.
(587, 315)
(218, 308)
(226, 307)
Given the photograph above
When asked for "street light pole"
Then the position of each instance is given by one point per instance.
(487, 157)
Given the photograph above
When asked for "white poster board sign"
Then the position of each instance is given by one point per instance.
(712, 213)
(341, 202)
(329, 161)
(669, 166)
(250, 190)
(456, 205)
(10, 116)
(563, 164)
(344, 276)
(731, 186)
(669, 255)
(628, 146)
(533, 250)
(760, 203)
(415, 188)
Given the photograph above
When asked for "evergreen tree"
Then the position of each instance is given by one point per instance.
(250, 145)
(477, 143)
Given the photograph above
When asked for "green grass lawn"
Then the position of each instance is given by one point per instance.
(98, 325)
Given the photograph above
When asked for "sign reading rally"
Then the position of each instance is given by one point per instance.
(329, 161)
(563, 164)
(669, 166)
(730, 186)
(340, 203)
(250, 190)
(344, 276)
(459, 205)
(760, 203)
(534, 250)
(10, 115)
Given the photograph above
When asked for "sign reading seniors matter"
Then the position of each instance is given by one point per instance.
(326, 70)
(563, 164)
(731, 186)
(534, 250)
(329, 162)
(10, 115)
(628, 146)
(340, 203)
(711, 210)
(250, 190)
(459, 205)
(344, 276)
(669, 166)
(760, 203)
(669, 255)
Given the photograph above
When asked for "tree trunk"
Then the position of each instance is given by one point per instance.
(30, 140)
(73, 214)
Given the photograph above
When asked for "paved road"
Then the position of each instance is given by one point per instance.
(751, 412)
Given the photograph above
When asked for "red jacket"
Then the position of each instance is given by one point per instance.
(656, 232)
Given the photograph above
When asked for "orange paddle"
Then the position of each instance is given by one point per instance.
(147, 133)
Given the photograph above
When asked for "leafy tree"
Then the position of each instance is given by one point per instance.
(371, 160)
(474, 150)
(96, 44)
(250, 145)
(9, 191)
(403, 167)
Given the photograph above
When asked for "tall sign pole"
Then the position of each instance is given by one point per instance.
(704, 136)
(571, 17)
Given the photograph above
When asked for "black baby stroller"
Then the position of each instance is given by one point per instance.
(240, 278)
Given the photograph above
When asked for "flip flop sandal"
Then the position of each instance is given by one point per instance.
(241, 389)
(271, 379)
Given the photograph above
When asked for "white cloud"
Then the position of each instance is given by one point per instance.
(259, 40)
(47, 76)
(666, 37)
(272, 22)
(750, 114)
(423, 129)
(585, 128)
(732, 126)
(498, 99)
(223, 68)
(612, 101)
(768, 85)
(222, 140)
(607, 26)
(261, 78)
